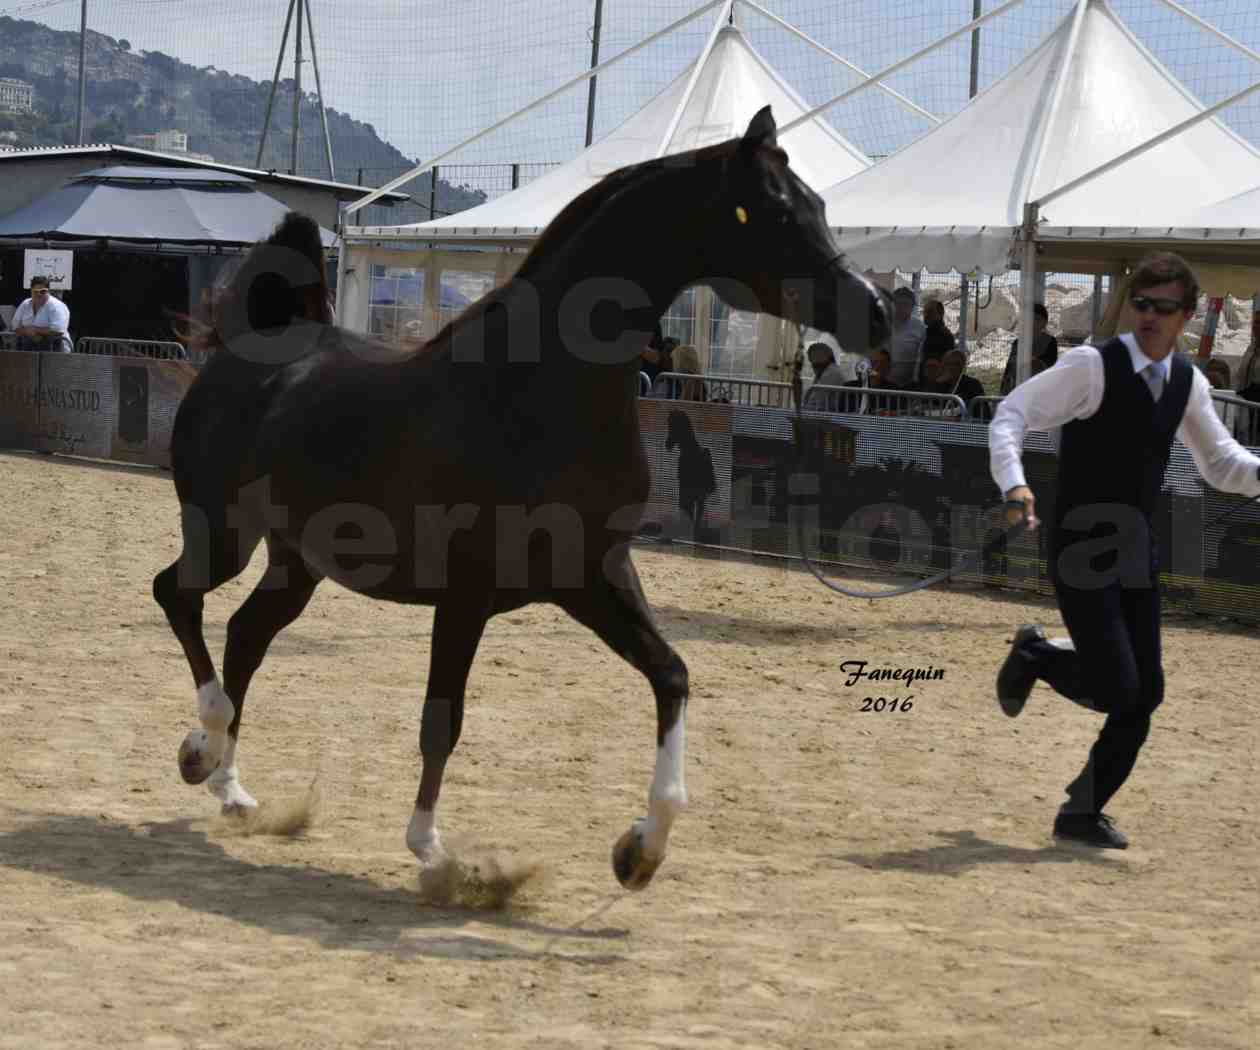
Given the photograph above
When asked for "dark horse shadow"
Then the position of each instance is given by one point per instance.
(696, 479)
(966, 850)
(172, 861)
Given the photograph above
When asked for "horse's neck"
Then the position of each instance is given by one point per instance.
(617, 244)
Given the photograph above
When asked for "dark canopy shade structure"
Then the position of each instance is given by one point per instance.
(143, 205)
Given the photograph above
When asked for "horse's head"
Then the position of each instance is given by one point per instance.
(773, 252)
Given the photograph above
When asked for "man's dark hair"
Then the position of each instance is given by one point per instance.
(1164, 268)
(40, 281)
(904, 293)
(1039, 310)
(821, 347)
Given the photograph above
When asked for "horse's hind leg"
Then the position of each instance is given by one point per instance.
(616, 610)
(212, 555)
(277, 600)
(458, 623)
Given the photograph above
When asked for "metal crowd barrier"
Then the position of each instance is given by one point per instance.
(9, 341)
(983, 409)
(754, 393)
(871, 401)
(154, 349)
(1240, 416)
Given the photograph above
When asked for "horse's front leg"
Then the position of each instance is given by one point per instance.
(617, 611)
(458, 623)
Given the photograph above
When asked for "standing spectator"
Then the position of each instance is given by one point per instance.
(42, 322)
(1248, 385)
(1044, 354)
(907, 339)
(1238, 419)
(937, 340)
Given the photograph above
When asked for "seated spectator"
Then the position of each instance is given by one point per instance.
(665, 386)
(822, 359)
(42, 322)
(954, 378)
(687, 362)
(650, 356)
(930, 377)
(907, 340)
(937, 340)
(1045, 349)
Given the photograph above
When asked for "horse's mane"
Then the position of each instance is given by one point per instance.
(587, 204)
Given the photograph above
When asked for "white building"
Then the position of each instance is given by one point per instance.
(161, 141)
(16, 96)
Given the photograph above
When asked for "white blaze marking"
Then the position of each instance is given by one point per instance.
(668, 796)
(216, 712)
(422, 834)
(224, 783)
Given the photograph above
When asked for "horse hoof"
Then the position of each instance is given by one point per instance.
(633, 868)
(195, 764)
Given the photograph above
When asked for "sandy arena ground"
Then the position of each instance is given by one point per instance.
(842, 879)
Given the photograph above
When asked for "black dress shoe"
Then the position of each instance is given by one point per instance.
(1092, 829)
(1019, 671)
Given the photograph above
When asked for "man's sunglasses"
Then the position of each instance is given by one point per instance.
(1163, 307)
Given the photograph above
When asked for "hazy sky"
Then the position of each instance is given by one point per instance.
(428, 74)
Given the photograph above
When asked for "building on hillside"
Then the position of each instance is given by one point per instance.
(171, 141)
(16, 96)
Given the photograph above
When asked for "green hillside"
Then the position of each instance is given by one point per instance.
(130, 93)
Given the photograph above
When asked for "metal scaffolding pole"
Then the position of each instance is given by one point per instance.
(82, 67)
(297, 90)
(275, 80)
(319, 91)
(590, 98)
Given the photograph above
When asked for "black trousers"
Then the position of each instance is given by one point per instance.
(1116, 669)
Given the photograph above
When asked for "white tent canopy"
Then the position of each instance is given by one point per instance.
(1235, 218)
(955, 199)
(733, 84)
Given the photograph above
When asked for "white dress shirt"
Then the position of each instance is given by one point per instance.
(1073, 389)
(54, 315)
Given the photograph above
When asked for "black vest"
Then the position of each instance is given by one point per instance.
(1119, 454)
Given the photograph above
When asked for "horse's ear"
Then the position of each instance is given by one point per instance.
(762, 131)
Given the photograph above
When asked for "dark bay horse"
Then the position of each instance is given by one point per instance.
(499, 465)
